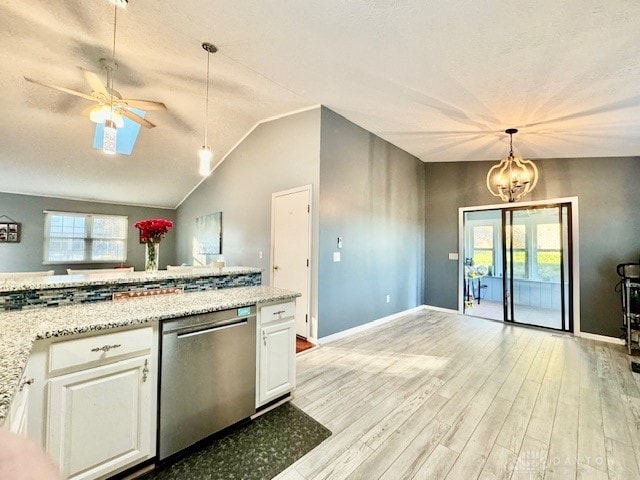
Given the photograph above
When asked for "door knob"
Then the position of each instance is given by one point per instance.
(275, 267)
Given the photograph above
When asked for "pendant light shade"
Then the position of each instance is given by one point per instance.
(513, 177)
(109, 137)
(205, 155)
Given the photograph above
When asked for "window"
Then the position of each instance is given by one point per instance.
(548, 252)
(519, 248)
(483, 245)
(84, 238)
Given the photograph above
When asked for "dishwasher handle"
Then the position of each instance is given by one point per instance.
(202, 329)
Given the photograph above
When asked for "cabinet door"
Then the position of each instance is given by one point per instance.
(19, 411)
(277, 360)
(100, 419)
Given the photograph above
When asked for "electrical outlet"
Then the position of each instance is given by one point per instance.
(388, 298)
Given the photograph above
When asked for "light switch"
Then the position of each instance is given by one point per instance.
(339, 242)
(336, 256)
(453, 256)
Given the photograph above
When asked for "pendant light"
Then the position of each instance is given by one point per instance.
(110, 133)
(513, 177)
(205, 155)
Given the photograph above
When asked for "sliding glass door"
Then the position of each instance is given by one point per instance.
(517, 265)
(537, 255)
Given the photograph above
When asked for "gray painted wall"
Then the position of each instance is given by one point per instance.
(372, 195)
(28, 209)
(609, 215)
(276, 156)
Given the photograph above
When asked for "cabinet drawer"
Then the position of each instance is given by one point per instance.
(99, 348)
(279, 311)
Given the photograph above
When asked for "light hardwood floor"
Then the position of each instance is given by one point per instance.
(436, 395)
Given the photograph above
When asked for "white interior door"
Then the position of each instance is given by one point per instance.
(291, 248)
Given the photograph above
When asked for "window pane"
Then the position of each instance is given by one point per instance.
(65, 249)
(519, 236)
(109, 227)
(67, 226)
(548, 236)
(108, 250)
(483, 257)
(519, 263)
(549, 265)
(483, 236)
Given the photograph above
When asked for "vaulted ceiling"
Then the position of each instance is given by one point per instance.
(441, 80)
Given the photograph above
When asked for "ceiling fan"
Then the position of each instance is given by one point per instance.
(111, 107)
(106, 97)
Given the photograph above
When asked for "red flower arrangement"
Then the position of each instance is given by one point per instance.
(152, 230)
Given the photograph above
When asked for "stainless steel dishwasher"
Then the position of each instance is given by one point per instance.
(207, 376)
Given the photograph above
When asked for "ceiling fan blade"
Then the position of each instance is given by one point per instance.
(136, 118)
(143, 104)
(94, 81)
(62, 89)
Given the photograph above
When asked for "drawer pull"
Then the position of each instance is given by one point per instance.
(106, 348)
(145, 371)
(279, 312)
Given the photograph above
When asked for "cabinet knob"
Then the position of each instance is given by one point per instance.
(105, 348)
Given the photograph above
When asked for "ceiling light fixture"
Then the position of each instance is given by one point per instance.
(110, 135)
(513, 177)
(102, 113)
(205, 155)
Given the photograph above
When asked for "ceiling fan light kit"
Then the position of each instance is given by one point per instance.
(513, 177)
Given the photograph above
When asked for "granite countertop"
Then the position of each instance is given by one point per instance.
(19, 329)
(111, 278)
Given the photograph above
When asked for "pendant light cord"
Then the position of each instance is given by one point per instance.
(206, 108)
(113, 54)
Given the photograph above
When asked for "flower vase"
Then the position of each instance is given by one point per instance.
(151, 257)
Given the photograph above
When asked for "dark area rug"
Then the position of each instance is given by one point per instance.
(258, 450)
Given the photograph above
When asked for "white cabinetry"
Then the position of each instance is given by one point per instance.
(276, 351)
(100, 418)
(18, 417)
(93, 404)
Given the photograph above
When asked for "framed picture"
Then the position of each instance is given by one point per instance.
(207, 241)
(9, 232)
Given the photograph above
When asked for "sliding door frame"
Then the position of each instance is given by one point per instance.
(508, 278)
(573, 227)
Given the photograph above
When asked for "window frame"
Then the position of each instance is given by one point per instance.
(88, 239)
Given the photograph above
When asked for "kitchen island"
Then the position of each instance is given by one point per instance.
(64, 368)
(19, 329)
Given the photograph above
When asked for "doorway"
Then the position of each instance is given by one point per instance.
(291, 249)
(518, 265)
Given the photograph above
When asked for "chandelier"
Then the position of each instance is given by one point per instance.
(513, 177)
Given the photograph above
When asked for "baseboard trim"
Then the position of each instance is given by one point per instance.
(600, 338)
(361, 328)
(440, 309)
